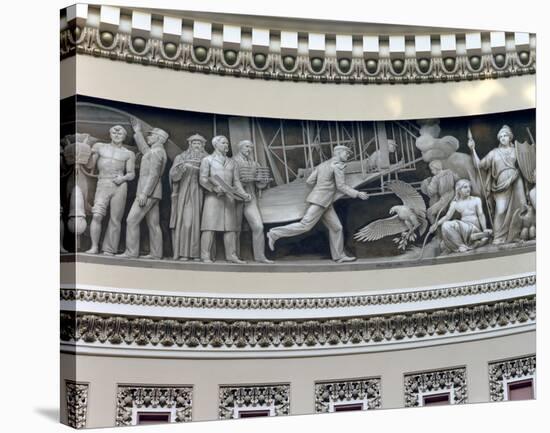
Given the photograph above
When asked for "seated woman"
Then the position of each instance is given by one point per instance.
(468, 232)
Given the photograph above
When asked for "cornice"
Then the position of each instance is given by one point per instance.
(182, 56)
(101, 296)
(262, 335)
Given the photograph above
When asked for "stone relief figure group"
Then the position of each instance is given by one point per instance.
(471, 201)
(460, 216)
(210, 193)
(457, 216)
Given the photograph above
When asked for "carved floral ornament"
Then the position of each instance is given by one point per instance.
(109, 297)
(184, 56)
(450, 380)
(273, 397)
(502, 372)
(269, 334)
(76, 395)
(366, 391)
(131, 398)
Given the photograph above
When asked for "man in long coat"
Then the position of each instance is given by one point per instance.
(219, 212)
(187, 199)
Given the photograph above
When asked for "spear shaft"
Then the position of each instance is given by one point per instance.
(476, 164)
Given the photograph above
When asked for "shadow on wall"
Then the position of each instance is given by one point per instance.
(50, 414)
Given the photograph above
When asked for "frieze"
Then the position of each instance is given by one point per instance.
(275, 66)
(269, 202)
(130, 398)
(450, 380)
(265, 334)
(76, 395)
(363, 390)
(272, 397)
(152, 300)
(509, 370)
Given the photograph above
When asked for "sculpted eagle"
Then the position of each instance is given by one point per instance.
(406, 217)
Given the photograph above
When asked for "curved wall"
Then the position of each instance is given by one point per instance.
(228, 95)
(198, 326)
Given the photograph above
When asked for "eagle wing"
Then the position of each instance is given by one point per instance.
(408, 195)
(380, 228)
(412, 199)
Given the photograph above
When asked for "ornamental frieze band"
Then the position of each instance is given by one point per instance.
(240, 334)
(152, 300)
(275, 66)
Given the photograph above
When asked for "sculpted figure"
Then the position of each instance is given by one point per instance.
(148, 194)
(76, 162)
(504, 182)
(406, 219)
(250, 210)
(219, 176)
(440, 188)
(374, 160)
(61, 223)
(327, 180)
(445, 149)
(524, 224)
(187, 199)
(115, 165)
(468, 232)
(533, 195)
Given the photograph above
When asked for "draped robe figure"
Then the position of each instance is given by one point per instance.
(187, 200)
(504, 184)
(440, 188)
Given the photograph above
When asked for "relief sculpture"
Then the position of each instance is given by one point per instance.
(187, 199)
(267, 186)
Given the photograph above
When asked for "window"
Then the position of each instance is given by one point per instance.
(153, 417)
(141, 404)
(348, 407)
(437, 399)
(521, 390)
(253, 413)
(347, 395)
(252, 401)
(436, 388)
(513, 379)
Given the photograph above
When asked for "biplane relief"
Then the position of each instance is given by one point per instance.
(213, 188)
